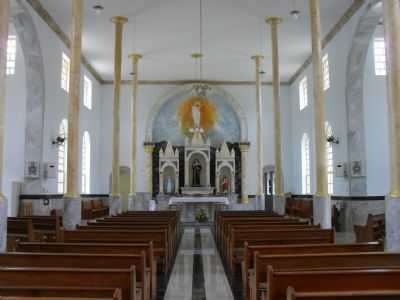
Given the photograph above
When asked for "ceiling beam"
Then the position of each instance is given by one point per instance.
(183, 82)
(48, 19)
(346, 17)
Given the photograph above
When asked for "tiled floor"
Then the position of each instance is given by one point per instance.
(198, 272)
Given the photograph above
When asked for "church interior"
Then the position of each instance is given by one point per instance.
(199, 149)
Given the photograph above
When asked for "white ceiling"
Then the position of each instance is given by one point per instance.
(166, 32)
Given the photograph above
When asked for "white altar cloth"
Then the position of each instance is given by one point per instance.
(198, 200)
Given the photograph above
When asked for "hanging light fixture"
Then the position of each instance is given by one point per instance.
(200, 88)
(295, 13)
(98, 8)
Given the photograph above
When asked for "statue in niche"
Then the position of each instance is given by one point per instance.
(225, 185)
(196, 168)
(169, 185)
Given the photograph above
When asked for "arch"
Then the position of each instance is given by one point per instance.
(355, 94)
(305, 164)
(62, 157)
(86, 163)
(329, 158)
(186, 89)
(35, 87)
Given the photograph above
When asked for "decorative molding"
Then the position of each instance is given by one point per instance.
(350, 12)
(48, 19)
(183, 82)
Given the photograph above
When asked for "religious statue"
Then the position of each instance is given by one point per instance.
(169, 186)
(196, 168)
(225, 185)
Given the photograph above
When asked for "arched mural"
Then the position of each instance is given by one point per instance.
(176, 115)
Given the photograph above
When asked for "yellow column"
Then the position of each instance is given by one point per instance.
(72, 201)
(74, 101)
(4, 13)
(392, 32)
(260, 151)
(274, 21)
(135, 61)
(148, 148)
(319, 100)
(119, 22)
(244, 150)
(322, 200)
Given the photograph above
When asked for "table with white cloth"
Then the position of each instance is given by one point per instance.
(190, 207)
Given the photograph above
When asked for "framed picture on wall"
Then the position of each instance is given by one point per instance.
(32, 169)
(356, 169)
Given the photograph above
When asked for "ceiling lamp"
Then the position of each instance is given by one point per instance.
(98, 8)
(295, 13)
(201, 88)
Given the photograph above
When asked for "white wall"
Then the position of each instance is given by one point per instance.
(149, 95)
(375, 117)
(14, 127)
(56, 108)
(376, 126)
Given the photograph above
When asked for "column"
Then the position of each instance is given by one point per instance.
(148, 149)
(72, 201)
(279, 198)
(135, 80)
(115, 197)
(260, 201)
(392, 33)
(244, 152)
(322, 200)
(4, 14)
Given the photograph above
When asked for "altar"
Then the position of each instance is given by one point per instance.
(190, 207)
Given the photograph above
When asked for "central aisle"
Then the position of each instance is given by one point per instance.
(198, 272)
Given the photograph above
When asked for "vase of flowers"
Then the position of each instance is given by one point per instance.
(201, 216)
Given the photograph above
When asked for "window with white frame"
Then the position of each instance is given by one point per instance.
(87, 92)
(62, 158)
(303, 93)
(86, 163)
(380, 56)
(329, 158)
(305, 164)
(11, 54)
(65, 72)
(326, 74)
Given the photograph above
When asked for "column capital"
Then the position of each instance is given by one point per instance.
(135, 56)
(148, 147)
(257, 57)
(244, 146)
(273, 20)
(119, 20)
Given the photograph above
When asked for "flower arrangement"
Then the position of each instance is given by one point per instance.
(201, 216)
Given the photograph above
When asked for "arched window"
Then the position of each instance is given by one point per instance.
(305, 164)
(62, 158)
(86, 163)
(329, 158)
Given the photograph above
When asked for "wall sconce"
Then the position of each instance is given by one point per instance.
(60, 140)
(333, 139)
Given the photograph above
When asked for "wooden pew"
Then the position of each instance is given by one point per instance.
(292, 294)
(75, 293)
(19, 231)
(45, 228)
(247, 264)
(367, 260)
(374, 230)
(98, 248)
(225, 240)
(331, 281)
(275, 237)
(83, 261)
(228, 224)
(159, 238)
(125, 279)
